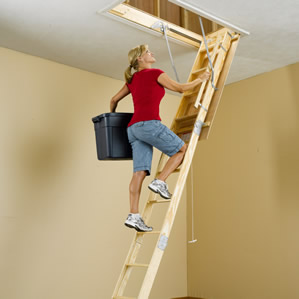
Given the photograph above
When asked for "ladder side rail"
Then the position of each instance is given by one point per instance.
(218, 93)
(133, 252)
(126, 272)
(196, 61)
(166, 228)
(136, 243)
(223, 62)
(219, 51)
(203, 85)
(217, 70)
(170, 216)
(190, 151)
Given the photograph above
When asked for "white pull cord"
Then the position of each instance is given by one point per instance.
(192, 208)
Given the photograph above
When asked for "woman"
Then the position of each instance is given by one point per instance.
(145, 129)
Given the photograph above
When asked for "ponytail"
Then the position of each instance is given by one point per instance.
(128, 74)
(132, 56)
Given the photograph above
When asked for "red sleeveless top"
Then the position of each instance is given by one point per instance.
(147, 94)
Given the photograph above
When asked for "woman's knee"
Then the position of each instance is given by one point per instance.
(140, 174)
(183, 148)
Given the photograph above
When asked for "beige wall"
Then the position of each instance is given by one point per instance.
(247, 194)
(61, 210)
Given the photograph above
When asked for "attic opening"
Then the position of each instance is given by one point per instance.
(174, 14)
(182, 25)
(181, 19)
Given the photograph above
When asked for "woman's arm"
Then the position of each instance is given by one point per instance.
(119, 96)
(168, 83)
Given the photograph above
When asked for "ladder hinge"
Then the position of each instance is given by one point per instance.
(231, 34)
(221, 46)
(163, 242)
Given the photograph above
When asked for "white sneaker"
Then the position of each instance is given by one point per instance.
(160, 187)
(137, 223)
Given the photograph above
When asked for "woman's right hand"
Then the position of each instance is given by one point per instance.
(202, 78)
(205, 76)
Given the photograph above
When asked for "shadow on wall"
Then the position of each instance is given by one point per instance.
(43, 146)
(38, 144)
(284, 132)
(41, 155)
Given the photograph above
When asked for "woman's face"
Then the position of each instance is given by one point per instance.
(148, 57)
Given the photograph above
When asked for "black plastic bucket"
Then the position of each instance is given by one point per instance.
(111, 136)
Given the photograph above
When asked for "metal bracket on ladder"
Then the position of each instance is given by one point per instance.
(163, 242)
(205, 109)
(198, 126)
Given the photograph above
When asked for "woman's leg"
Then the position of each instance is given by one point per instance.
(135, 189)
(133, 220)
(173, 163)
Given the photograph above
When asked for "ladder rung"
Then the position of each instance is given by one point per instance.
(184, 130)
(189, 129)
(176, 170)
(185, 121)
(137, 265)
(190, 96)
(190, 93)
(209, 47)
(186, 117)
(190, 117)
(152, 232)
(159, 201)
(200, 70)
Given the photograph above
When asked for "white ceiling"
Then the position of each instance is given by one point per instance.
(71, 32)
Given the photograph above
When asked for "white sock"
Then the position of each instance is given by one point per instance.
(136, 216)
(160, 181)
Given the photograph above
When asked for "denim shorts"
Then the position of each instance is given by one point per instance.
(145, 135)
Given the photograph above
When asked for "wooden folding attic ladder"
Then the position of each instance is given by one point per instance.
(192, 123)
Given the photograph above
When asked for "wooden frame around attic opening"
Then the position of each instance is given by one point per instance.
(138, 17)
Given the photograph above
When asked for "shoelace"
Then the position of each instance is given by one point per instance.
(165, 188)
(163, 185)
(142, 222)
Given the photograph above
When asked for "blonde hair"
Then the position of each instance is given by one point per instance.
(132, 56)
